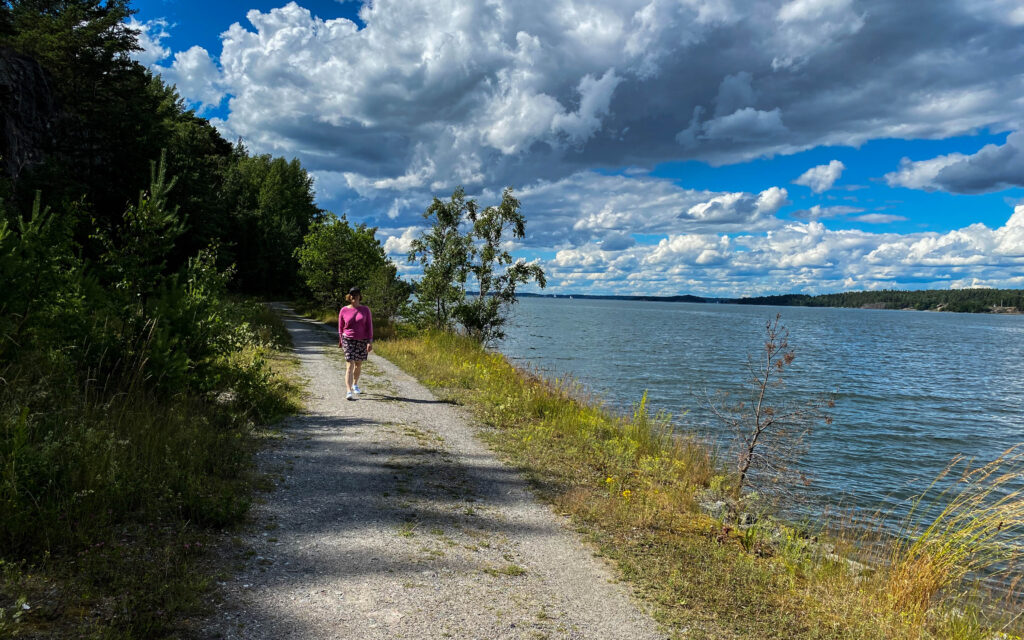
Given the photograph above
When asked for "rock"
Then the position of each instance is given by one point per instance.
(718, 509)
(28, 111)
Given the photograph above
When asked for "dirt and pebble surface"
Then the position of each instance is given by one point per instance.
(392, 520)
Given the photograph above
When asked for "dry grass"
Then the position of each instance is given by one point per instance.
(973, 526)
(632, 486)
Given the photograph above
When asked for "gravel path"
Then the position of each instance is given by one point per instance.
(391, 520)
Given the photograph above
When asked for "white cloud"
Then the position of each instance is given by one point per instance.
(150, 35)
(486, 93)
(433, 93)
(771, 200)
(616, 241)
(196, 76)
(818, 212)
(880, 218)
(804, 257)
(746, 125)
(808, 26)
(397, 246)
(822, 177)
(922, 173)
(992, 168)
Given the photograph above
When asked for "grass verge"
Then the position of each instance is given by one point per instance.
(633, 489)
(112, 503)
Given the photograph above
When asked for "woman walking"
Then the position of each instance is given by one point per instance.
(355, 336)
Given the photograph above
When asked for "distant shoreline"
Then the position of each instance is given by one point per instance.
(996, 301)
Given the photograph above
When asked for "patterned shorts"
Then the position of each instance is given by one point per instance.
(354, 349)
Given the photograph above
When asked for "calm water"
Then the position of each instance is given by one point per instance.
(912, 389)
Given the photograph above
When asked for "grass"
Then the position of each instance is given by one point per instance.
(633, 489)
(511, 570)
(112, 506)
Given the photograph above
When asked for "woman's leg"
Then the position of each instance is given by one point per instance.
(358, 369)
(350, 375)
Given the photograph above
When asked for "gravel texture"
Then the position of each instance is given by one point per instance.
(392, 520)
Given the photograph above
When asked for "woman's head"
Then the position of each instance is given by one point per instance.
(354, 295)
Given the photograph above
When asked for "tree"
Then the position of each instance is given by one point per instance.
(271, 207)
(484, 316)
(769, 433)
(109, 124)
(137, 249)
(449, 257)
(336, 256)
(444, 253)
(386, 293)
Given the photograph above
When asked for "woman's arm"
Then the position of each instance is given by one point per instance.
(369, 320)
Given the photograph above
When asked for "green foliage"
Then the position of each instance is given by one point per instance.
(387, 293)
(131, 382)
(43, 280)
(484, 316)
(450, 257)
(444, 252)
(136, 249)
(336, 256)
(108, 124)
(270, 208)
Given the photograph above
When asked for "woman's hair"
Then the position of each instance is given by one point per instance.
(352, 294)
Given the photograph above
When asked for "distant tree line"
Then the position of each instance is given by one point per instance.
(958, 300)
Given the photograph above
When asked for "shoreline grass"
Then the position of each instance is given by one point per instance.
(130, 492)
(633, 490)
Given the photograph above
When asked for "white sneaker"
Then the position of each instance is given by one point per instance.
(348, 396)
(356, 389)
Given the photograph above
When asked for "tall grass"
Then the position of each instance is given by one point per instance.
(970, 527)
(634, 487)
(110, 487)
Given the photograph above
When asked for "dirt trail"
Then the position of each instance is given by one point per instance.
(393, 521)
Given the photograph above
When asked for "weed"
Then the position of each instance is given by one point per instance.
(513, 570)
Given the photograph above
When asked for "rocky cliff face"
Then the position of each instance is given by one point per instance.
(28, 110)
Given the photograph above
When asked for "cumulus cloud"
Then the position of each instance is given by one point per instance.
(486, 93)
(150, 34)
(744, 209)
(196, 76)
(617, 242)
(397, 246)
(992, 168)
(745, 125)
(808, 26)
(434, 93)
(822, 177)
(804, 257)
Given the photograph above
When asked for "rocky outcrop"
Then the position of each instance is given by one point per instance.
(28, 109)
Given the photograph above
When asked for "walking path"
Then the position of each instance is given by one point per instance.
(393, 521)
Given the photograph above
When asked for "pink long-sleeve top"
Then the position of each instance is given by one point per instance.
(355, 323)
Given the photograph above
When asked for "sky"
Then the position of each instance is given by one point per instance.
(661, 147)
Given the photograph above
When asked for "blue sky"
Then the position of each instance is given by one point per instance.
(693, 146)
